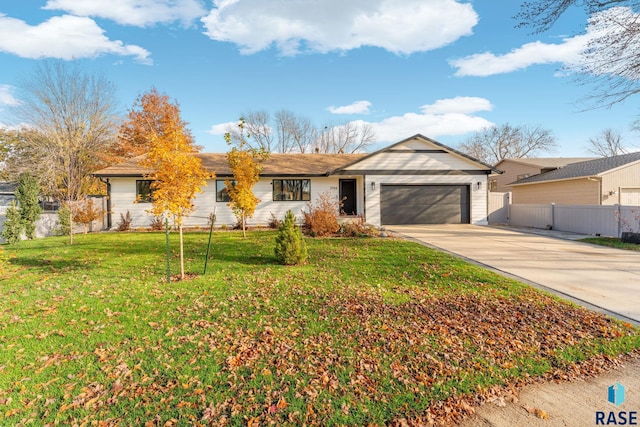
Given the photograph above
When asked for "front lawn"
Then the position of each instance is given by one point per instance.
(369, 332)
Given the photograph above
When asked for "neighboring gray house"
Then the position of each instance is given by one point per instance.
(415, 181)
(604, 181)
(7, 195)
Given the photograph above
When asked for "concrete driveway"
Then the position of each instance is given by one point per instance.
(600, 278)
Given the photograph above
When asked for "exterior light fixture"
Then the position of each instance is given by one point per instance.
(478, 185)
(373, 185)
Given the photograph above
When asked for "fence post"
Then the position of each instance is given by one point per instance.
(617, 214)
(553, 216)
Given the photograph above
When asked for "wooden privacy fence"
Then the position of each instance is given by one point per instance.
(584, 219)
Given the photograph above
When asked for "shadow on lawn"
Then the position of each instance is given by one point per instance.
(55, 265)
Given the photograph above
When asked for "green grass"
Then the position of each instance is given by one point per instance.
(370, 331)
(611, 242)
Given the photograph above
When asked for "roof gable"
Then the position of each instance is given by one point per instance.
(417, 145)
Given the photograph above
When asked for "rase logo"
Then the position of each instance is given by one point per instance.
(615, 396)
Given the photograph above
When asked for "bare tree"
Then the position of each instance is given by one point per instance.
(259, 131)
(71, 118)
(606, 144)
(492, 144)
(293, 133)
(351, 137)
(611, 59)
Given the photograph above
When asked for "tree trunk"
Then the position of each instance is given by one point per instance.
(70, 227)
(244, 227)
(181, 254)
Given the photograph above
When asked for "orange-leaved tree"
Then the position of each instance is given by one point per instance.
(246, 165)
(144, 119)
(177, 172)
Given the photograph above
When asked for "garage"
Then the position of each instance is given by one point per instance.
(630, 196)
(424, 204)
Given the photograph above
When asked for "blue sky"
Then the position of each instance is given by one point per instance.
(442, 68)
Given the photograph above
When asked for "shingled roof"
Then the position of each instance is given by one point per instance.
(547, 162)
(583, 169)
(278, 164)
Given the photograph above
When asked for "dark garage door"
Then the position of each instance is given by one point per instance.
(424, 204)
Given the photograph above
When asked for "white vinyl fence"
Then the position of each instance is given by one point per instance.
(499, 207)
(584, 219)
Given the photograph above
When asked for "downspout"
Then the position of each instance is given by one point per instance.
(108, 184)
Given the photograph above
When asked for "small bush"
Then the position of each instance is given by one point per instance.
(274, 222)
(290, 247)
(86, 212)
(157, 223)
(13, 226)
(322, 218)
(125, 222)
(356, 227)
(64, 220)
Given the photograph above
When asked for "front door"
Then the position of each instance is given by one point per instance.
(348, 197)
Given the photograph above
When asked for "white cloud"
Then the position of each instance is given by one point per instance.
(444, 117)
(329, 25)
(459, 104)
(141, 13)
(222, 128)
(358, 107)
(6, 96)
(454, 116)
(568, 53)
(63, 37)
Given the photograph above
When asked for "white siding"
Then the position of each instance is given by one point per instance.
(413, 161)
(123, 193)
(478, 196)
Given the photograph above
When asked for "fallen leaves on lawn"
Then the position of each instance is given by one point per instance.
(320, 356)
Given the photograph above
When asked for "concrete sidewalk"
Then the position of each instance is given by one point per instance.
(575, 403)
(600, 278)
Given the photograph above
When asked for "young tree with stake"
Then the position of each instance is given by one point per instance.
(178, 174)
(246, 165)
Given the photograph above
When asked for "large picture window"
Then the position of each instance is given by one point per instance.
(144, 192)
(291, 189)
(222, 194)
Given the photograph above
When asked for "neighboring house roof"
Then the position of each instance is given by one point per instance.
(277, 164)
(588, 168)
(547, 162)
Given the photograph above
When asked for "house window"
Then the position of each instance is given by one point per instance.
(144, 192)
(493, 184)
(291, 189)
(222, 194)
